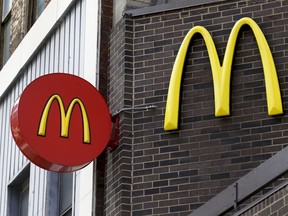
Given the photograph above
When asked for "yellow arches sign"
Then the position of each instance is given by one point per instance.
(222, 74)
(55, 117)
(65, 117)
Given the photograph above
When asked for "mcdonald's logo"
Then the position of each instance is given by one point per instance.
(61, 122)
(65, 117)
(221, 74)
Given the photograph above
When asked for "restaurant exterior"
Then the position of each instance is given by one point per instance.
(63, 39)
(196, 92)
(226, 155)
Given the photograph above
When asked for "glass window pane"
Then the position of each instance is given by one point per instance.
(40, 7)
(68, 213)
(65, 196)
(24, 203)
(18, 194)
(7, 4)
(24, 199)
(6, 41)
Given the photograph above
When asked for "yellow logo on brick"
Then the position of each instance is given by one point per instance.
(222, 73)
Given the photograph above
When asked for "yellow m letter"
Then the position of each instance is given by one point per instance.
(65, 118)
(222, 74)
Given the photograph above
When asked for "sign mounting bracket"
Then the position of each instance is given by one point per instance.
(115, 118)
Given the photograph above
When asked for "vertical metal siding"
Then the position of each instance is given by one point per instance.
(3, 158)
(62, 52)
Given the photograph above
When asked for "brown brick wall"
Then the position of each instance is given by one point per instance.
(106, 25)
(274, 205)
(173, 173)
(118, 163)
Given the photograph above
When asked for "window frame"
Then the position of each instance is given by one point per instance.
(24, 188)
(53, 195)
(33, 11)
(3, 15)
(5, 25)
(63, 212)
(16, 188)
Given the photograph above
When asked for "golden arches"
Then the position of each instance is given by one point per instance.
(65, 118)
(222, 74)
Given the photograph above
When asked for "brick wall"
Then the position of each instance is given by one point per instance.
(106, 25)
(120, 5)
(173, 173)
(120, 87)
(276, 204)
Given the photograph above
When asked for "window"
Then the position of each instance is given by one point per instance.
(24, 198)
(6, 40)
(65, 194)
(40, 7)
(18, 194)
(5, 30)
(7, 4)
(60, 193)
(36, 7)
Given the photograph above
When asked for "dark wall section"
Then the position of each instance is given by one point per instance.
(99, 166)
(274, 204)
(120, 88)
(173, 173)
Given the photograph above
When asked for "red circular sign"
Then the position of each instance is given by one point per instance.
(61, 122)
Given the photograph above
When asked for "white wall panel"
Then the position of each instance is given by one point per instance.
(62, 51)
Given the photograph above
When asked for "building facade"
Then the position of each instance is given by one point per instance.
(42, 37)
(206, 165)
(209, 165)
